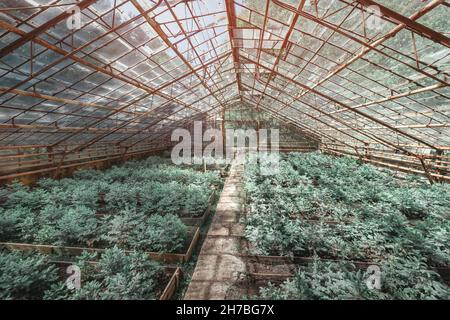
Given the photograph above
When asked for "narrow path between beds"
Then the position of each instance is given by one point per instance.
(220, 265)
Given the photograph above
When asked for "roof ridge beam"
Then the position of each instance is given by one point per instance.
(231, 14)
(163, 36)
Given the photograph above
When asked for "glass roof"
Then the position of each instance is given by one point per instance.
(352, 72)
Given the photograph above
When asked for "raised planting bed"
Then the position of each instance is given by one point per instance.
(168, 287)
(191, 242)
(272, 268)
(411, 222)
(132, 185)
(327, 220)
(362, 240)
(315, 220)
(115, 275)
(284, 278)
(279, 267)
(188, 219)
(306, 257)
(173, 285)
(319, 185)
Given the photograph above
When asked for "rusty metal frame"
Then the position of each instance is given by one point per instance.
(306, 79)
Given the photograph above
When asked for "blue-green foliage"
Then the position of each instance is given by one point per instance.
(116, 276)
(377, 214)
(405, 278)
(25, 276)
(64, 212)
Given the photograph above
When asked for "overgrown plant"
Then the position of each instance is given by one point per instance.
(25, 276)
(378, 215)
(159, 234)
(405, 278)
(117, 276)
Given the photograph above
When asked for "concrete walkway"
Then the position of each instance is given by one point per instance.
(220, 267)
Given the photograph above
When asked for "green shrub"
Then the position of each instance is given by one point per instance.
(345, 190)
(159, 234)
(409, 201)
(168, 198)
(117, 228)
(78, 226)
(85, 195)
(88, 174)
(117, 276)
(431, 237)
(48, 183)
(121, 196)
(196, 198)
(10, 223)
(408, 278)
(23, 196)
(25, 276)
(317, 281)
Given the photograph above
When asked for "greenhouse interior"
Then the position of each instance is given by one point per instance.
(224, 150)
